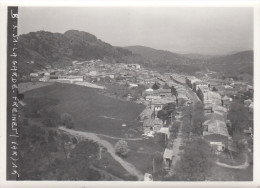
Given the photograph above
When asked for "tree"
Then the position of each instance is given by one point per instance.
(155, 86)
(67, 120)
(157, 162)
(247, 95)
(170, 107)
(175, 93)
(196, 162)
(64, 139)
(197, 118)
(161, 139)
(214, 89)
(121, 148)
(50, 118)
(174, 128)
(163, 115)
(45, 150)
(240, 119)
(33, 108)
(85, 150)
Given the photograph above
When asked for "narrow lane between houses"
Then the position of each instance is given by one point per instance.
(176, 146)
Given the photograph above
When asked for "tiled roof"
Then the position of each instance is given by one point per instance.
(225, 98)
(164, 90)
(215, 116)
(152, 122)
(216, 127)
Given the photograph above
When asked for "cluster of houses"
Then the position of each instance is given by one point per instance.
(51, 76)
(215, 112)
(157, 99)
(90, 71)
(217, 101)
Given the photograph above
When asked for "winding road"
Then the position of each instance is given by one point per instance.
(242, 166)
(92, 136)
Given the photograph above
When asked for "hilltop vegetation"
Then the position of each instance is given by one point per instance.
(42, 49)
(239, 66)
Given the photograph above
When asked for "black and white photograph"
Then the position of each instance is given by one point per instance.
(131, 93)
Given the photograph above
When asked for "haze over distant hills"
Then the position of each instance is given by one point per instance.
(241, 62)
(38, 49)
(199, 56)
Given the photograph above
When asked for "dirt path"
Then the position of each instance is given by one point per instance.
(127, 166)
(107, 117)
(88, 84)
(192, 95)
(176, 145)
(119, 138)
(242, 166)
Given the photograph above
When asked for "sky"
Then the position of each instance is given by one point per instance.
(208, 31)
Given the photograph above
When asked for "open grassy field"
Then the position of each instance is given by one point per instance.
(141, 153)
(227, 174)
(91, 110)
(27, 86)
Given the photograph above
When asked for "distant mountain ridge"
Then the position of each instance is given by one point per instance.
(199, 56)
(161, 55)
(37, 50)
(241, 62)
(173, 62)
(58, 50)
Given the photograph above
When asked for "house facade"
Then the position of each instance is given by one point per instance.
(202, 92)
(196, 85)
(156, 106)
(167, 157)
(226, 101)
(165, 92)
(152, 98)
(152, 124)
(190, 81)
(216, 133)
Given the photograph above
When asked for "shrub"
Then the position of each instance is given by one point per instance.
(67, 120)
(121, 148)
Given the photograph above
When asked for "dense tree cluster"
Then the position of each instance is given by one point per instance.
(196, 162)
(167, 112)
(46, 155)
(161, 139)
(193, 119)
(240, 119)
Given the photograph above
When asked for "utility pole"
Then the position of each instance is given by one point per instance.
(165, 139)
(154, 111)
(153, 167)
(100, 152)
